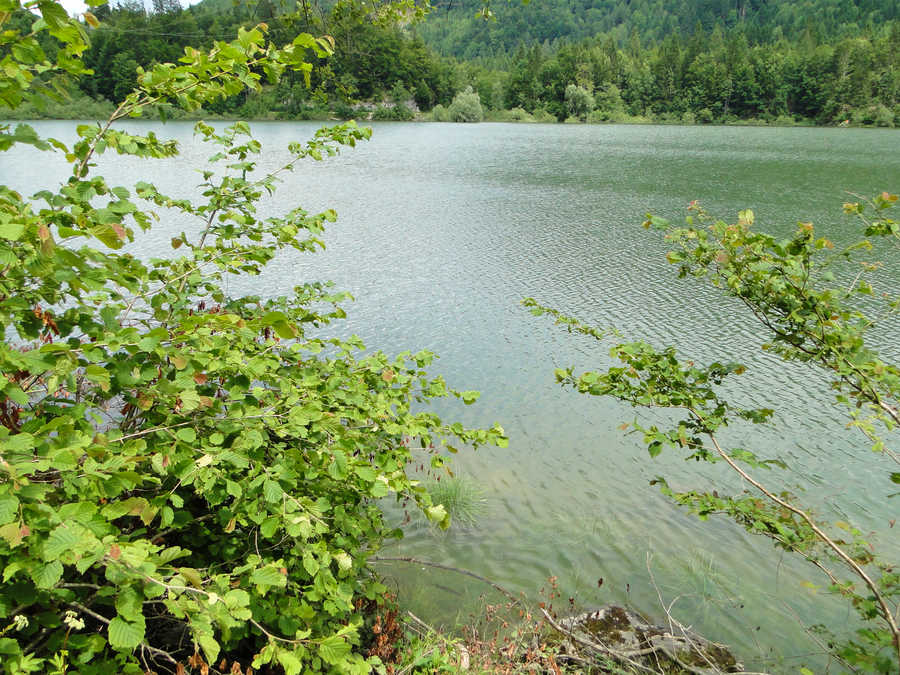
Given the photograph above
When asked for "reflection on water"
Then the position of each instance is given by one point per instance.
(443, 229)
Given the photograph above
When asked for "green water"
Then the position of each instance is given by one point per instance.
(443, 229)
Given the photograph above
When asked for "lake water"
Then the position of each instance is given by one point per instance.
(443, 229)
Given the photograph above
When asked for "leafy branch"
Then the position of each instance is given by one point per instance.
(790, 286)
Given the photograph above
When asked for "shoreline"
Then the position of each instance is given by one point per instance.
(424, 118)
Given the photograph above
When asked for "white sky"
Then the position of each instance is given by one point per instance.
(77, 6)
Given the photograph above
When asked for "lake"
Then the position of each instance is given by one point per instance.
(444, 228)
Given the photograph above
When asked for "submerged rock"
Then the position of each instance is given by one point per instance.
(615, 634)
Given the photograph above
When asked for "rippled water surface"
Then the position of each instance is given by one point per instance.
(443, 229)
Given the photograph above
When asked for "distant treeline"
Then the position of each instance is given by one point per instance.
(454, 30)
(716, 76)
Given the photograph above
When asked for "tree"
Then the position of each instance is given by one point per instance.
(187, 478)
(790, 287)
(579, 101)
(166, 6)
(466, 107)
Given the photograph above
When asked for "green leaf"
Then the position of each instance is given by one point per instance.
(186, 434)
(438, 514)
(9, 509)
(233, 489)
(344, 561)
(469, 397)
(192, 576)
(272, 491)
(63, 538)
(338, 467)
(270, 526)
(284, 330)
(333, 649)
(209, 645)
(46, 576)
(310, 564)
(289, 661)
(11, 231)
(98, 375)
(125, 636)
(10, 647)
(109, 233)
(365, 472)
(269, 576)
(12, 534)
(236, 598)
(129, 604)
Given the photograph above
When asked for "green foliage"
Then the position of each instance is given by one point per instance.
(717, 75)
(372, 51)
(188, 477)
(466, 107)
(397, 112)
(790, 286)
(457, 29)
(579, 101)
(439, 114)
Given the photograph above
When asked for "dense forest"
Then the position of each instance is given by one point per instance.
(817, 61)
(454, 29)
(369, 57)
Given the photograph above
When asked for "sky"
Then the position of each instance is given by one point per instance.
(77, 6)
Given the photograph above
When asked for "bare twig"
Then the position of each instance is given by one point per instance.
(627, 656)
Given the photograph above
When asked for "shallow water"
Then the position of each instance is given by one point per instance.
(443, 229)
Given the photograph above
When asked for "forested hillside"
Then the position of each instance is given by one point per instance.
(816, 61)
(454, 29)
(719, 76)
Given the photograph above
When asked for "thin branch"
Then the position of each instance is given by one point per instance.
(277, 638)
(89, 612)
(884, 608)
(117, 114)
(458, 570)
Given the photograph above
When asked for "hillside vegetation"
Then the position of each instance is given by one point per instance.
(821, 61)
(454, 29)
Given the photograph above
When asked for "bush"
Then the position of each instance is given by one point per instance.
(188, 477)
(440, 114)
(705, 116)
(609, 104)
(344, 111)
(519, 115)
(466, 107)
(883, 116)
(73, 104)
(397, 113)
(541, 115)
